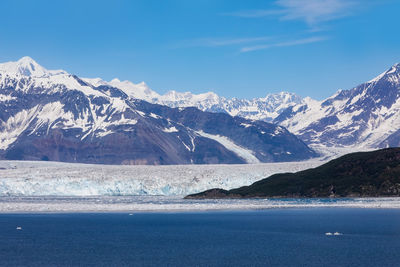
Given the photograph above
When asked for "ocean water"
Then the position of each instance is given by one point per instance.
(273, 237)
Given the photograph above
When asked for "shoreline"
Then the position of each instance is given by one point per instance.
(176, 204)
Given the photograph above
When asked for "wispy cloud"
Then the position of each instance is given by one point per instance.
(310, 11)
(215, 42)
(315, 11)
(283, 44)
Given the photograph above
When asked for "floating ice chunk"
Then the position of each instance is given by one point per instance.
(335, 233)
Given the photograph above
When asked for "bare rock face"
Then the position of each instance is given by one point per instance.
(53, 115)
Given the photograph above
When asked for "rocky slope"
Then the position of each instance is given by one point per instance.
(53, 115)
(363, 174)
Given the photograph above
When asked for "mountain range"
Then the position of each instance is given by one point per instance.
(54, 115)
(366, 116)
(265, 108)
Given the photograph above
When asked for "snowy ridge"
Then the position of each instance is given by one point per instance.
(264, 108)
(139, 91)
(365, 116)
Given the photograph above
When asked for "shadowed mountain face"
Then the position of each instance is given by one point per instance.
(363, 174)
(52, 115)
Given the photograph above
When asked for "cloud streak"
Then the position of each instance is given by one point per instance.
(316, 11)
(310, 11)
(284, 44)
(216, 42)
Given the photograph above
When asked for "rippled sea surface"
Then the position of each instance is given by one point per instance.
(272, 237)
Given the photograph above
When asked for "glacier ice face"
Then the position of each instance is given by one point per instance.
(24, 178)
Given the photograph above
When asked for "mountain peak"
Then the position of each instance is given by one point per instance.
(140, 90)
(395, 69)
(27, 60)
(26, 66)
(115, 80)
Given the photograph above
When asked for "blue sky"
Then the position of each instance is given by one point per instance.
(235, 48)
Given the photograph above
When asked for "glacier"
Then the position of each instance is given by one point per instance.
(42, 178)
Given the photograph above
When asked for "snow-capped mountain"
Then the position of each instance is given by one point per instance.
(53, 115)
(365, 116)
(264, 108)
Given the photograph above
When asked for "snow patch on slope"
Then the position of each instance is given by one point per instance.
(14, 126)
(170, 130)
(244, 153)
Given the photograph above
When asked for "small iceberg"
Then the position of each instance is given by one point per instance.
(335, 233)
(130, 214)
(19, 228)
